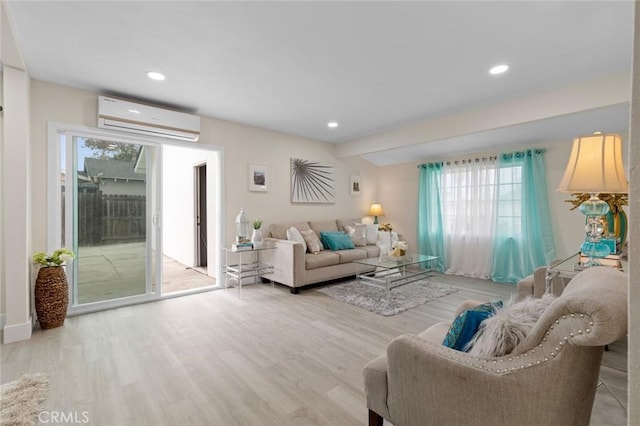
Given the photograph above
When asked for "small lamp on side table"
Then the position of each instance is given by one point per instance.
(375, 211)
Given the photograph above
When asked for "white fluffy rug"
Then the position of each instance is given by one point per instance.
(387, 303)
(20, 400)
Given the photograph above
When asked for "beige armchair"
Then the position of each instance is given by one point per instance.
(549, 379)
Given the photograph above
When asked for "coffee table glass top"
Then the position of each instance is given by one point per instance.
(394, 262)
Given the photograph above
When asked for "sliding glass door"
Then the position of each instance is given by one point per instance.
(110, 197)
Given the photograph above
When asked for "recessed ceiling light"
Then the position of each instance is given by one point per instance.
(153, 75)
(498, 69)
(332, 124)
(134, 111)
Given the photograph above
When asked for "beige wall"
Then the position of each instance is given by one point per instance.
(634, 246)
(16, 207)
(399, 194)
(242, 145)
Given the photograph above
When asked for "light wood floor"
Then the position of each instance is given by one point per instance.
(256, 356)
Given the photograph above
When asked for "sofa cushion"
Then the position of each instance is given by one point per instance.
(324, 225)
(465, 326)
(343, 223)
(321, 259)
(347, 256)
(372, 234)
(279, 230)
(357, 233)
(336, 241)
(372, 250)
(314, 245)
(294, 235)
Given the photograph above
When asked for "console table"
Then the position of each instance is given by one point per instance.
(248, 265)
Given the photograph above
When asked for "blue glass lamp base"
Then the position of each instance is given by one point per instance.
(594, 249)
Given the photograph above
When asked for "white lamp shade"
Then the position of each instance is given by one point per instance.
(376, 210)
(595, 166)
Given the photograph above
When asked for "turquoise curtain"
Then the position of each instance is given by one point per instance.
(430, 226)
(522, 245)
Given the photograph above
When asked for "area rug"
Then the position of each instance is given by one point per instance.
(387, 303)
(20, 400)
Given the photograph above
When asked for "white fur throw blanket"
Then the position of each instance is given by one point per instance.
(499, 334)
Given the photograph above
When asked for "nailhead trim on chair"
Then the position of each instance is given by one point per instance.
(482, 363)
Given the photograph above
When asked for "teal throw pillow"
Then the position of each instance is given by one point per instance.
(336, 240)
(465, 326)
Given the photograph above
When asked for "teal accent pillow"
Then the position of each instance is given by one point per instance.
(336, 240)
(465, 326)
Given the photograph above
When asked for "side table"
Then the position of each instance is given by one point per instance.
(566, 269)
(248, 265)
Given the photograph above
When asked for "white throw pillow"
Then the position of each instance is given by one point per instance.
(372, 234)
(501, 333)
(294, 235)
(358, 234)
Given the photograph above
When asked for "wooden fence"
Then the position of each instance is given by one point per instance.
(110, 218)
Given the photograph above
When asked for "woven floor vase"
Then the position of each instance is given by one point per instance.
(51, 296)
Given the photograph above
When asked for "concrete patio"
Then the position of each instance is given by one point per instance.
(118, 270)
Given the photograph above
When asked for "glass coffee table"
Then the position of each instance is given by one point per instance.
(392, 272)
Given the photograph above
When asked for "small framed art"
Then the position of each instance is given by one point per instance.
(354, 182)
(258, 177)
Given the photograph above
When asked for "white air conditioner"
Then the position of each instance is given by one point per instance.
(126, 116)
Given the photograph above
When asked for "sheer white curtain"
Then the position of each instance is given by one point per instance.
(469, 205)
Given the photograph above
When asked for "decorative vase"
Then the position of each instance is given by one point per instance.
(256, 238)
(51, 296)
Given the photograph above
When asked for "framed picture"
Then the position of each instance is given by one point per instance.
(257, 177)
(311, 182)
(354, 184)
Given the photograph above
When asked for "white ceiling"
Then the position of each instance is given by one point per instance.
(294, 66)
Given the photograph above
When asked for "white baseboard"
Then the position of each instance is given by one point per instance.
(17, 332)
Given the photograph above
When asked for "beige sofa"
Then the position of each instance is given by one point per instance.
(549, 379)
(295, 268)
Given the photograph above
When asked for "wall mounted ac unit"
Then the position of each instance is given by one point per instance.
(126, 116)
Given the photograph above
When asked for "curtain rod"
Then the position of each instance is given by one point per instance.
(505, 155)
(469, 160)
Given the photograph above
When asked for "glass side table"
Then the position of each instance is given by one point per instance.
(247, 265)
(567, 268)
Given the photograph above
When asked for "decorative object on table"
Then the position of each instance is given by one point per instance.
(21, 399)
(242, 246)
(354, 184)
(51, 291)
(615, 220)
(376, 210)
(242, 228)
(399, 248)
(595, 166)
(311, 182)
(385, 227)
(384, 302)
(257, 177)
(256, 236)
(384, 253)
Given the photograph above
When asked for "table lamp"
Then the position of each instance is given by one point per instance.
(375, 211)
(595, 166)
